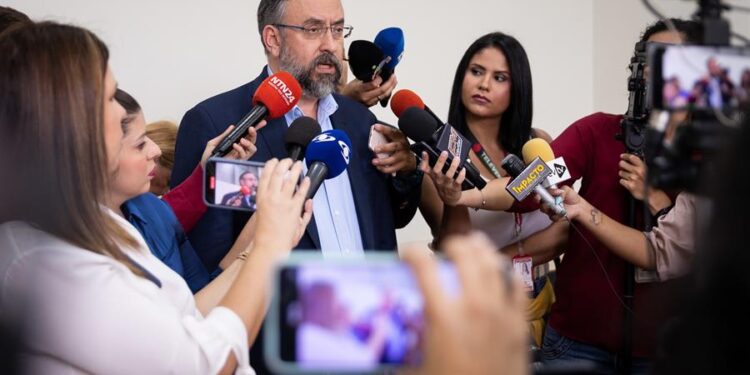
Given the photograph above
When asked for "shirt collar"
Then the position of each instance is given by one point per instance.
(131, 211)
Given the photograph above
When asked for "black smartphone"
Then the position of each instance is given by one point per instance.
(699, 78)
(433, 155)
(231, 184)
(346, 315)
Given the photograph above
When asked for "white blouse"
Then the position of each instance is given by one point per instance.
(87, 313)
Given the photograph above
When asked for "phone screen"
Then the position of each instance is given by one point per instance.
(232, 184)
(701, 77)
(335, 316)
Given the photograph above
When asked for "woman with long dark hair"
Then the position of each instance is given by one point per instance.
(491, 103)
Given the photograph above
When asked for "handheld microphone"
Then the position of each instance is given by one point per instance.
(364, 59)
(421, 127)
(275, 96)
(391, 43)
(327, 156)
(529, 178)
(299, 134)
(539, 148)
(245, 191)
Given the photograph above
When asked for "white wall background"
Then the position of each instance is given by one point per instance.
(171, 54)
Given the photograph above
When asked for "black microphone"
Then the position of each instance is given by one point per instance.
(527, 179)
(365, 58)
(432, 138)
(275, 96)
(298, 136)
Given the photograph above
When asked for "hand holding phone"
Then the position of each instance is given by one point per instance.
(366, 315)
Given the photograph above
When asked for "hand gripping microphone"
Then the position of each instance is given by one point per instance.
(419, 126)
(298, 136)
(529, 178)
(275, 96)
(327, 156)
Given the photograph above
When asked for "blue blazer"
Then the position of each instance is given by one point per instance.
(382, 204)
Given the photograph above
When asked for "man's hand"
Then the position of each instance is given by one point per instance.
(369, 93)
(235, 201)
(401, 158)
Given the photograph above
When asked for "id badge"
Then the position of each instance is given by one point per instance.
(523, 267)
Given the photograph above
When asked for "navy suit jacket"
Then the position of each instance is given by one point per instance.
(381, 207)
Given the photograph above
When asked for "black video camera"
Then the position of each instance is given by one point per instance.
(695, 93)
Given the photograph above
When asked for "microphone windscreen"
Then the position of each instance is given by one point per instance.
(513, 165)
(332, 148)
(364, 57)
(279, 93)
(537, 147)
(404, 99)
(417, 124)
(245, 190)
(391, 42)
(301, 131)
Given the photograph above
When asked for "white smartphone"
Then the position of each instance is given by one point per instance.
(377, 139)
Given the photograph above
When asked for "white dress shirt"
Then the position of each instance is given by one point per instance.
(88, 313)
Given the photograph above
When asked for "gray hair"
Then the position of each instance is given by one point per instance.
(269, 13)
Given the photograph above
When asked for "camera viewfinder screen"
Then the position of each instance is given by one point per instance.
(705, 77)
(236, 185)
(353, 316)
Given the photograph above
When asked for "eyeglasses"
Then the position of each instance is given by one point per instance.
(317, 32)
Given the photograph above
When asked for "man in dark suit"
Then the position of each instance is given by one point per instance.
(361, 208)
(245, 197)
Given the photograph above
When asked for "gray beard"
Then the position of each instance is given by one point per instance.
(324, 85)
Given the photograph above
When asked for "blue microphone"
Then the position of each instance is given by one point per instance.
(391, 43)
(327, 156)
